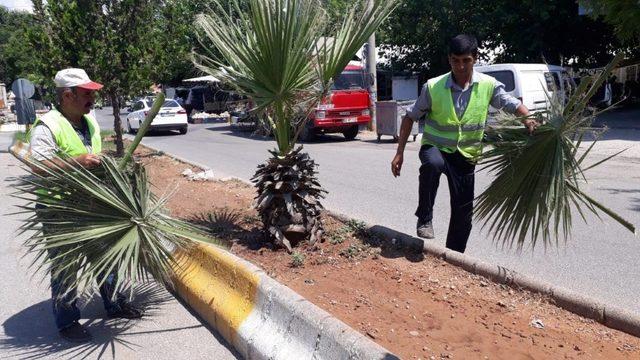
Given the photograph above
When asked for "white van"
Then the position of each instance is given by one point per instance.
(529, 82)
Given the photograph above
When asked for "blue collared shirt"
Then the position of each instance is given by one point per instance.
(499, 100)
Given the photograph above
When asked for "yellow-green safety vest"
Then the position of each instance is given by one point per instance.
(442, 127)
(67, 139)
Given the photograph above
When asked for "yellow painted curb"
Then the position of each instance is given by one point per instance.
(217, 286)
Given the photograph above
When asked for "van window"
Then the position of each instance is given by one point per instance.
(553, 81)
(505, 77)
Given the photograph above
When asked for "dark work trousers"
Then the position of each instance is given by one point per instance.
(65, 309)
(461, 177)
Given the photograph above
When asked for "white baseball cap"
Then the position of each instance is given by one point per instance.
(75, 78)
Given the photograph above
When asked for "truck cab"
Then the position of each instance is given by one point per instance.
(344, 109)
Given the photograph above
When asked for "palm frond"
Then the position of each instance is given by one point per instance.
(275, 53)
(93, 223)
(537, 176)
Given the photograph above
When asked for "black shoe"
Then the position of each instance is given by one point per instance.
(425, 229)
(75, 333)
(125, 311)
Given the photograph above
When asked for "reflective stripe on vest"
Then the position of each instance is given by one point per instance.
(464, 127)
(443, 128)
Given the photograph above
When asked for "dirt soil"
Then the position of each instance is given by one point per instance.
(417, 306)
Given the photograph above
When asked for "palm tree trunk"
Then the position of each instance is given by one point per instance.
(117, 123)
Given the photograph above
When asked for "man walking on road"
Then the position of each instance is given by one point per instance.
(456, 105)
(68, 131)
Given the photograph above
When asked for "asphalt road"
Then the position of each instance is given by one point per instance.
(168, 331)
(599, 260)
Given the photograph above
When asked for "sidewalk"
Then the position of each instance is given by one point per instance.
(168, 331)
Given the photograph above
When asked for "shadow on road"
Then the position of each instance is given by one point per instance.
(229, 130)
(158, 133)
(31, 333)
(238, 132)
(623, 123)
(635, 206)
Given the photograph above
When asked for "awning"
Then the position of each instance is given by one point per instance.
(207, 78)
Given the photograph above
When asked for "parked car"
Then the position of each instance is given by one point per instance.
(533, 84)
(170, 117)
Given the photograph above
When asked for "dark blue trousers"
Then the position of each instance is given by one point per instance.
(461, 178)
(64, 298)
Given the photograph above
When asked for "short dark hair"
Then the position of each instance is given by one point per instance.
(463, 45)
(60, 93)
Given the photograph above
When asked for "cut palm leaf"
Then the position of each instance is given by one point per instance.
(537, 176)
(91, 223)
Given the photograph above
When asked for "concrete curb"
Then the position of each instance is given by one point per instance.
(585, 306)
(606, 314)
(260, 317)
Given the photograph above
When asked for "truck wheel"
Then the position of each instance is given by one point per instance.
(307, 134)
(351, 132)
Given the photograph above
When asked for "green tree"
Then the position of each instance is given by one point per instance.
(118, 42)
(624, 15)
(178, 18)
(417, 34)
(275, 53)
(554, 33)
(16, 56)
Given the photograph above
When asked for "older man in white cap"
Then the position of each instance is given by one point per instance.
(69, 131)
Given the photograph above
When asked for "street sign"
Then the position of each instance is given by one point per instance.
(23, 89)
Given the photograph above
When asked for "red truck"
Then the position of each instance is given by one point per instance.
(344, 109)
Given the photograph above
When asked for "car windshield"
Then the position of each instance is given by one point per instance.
(349, 80)
(170, 104)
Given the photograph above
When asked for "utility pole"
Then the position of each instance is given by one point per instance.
(371, 69)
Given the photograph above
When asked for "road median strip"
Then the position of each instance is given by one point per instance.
(606, 314)
(585, 306)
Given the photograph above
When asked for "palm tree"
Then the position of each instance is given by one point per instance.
(276, 53)
(101, 221)
(538, 175)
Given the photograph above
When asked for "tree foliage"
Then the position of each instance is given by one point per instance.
(624, 15)
(416, 35)
(15, 53)
(118, 42)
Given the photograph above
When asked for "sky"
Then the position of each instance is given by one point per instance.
(24, 5)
